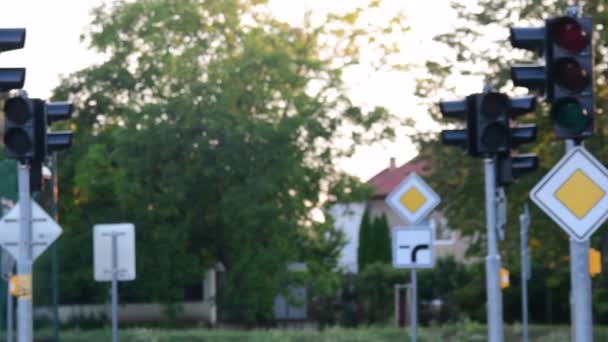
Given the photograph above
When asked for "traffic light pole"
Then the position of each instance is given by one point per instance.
(580, 288)
(493, 292)
(24, 263)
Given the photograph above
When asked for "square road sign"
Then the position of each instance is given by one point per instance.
(575, 193)
(413, 246)
(412, 199)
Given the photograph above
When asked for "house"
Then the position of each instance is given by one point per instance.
(348, 216)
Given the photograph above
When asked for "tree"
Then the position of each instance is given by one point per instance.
(374, 241)
(213, 127)
(480, 55)
(364, 250)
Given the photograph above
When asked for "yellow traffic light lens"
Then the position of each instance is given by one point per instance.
(570, 74)
(569, 115)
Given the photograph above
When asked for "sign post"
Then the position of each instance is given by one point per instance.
(524, 223)
(412, 248)
(574, 195)
(119, 265)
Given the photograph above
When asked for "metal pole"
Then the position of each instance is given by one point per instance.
(493, 292)
(24, 264)
(582, 318)
(9, 313)
(114, 288)
(414, 305)
(524, 276)
(54, 250)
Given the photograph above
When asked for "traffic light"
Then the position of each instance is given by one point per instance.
(456, 137)
(19, 135)
(513, 167)
(570, 71)
(46, 142)
(11, 39)
(532, 76)
(487, 117)
(60, 140)
(491, 123)
(566, 79)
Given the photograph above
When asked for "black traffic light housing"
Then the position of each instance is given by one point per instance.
(513, 167)
(487, 118)
(570, 71)
(19, 129)
(11, 39)
(566, 79)
(48, 142)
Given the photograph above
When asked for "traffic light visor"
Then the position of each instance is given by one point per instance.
(568, 34)
(570, 115)
(17, 110)
(570, 74)
(17, 140)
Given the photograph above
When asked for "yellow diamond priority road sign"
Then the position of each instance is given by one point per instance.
(412, 199)
(575, 193)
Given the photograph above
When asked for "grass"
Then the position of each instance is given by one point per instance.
(465, 332)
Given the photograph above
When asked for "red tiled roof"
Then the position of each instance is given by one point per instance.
(386, 180)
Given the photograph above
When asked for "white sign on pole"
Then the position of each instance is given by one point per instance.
(412, 199)
(574, 193)
(102, 251)
(44, 231)
(412, 247)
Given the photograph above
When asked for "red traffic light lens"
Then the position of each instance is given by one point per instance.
(569, 35)
(570, 74)
(17, 110)
(494, 105)
(569, 115)
(17, 140)
(495, 136)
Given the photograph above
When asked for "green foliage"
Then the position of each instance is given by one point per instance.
(364, 249)
(374, 241)
(461, 331)
(213, 127)
(481, 51)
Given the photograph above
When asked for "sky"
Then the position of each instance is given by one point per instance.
(53, 48)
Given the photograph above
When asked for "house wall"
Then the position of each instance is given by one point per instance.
(347, 219)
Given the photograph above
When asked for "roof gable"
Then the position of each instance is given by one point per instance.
(386, 180)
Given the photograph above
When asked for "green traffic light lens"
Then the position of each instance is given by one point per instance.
(569, 115)
(17, 140)
(495, 136)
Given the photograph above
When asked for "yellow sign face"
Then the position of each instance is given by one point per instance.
(579, 194)
(412, 200)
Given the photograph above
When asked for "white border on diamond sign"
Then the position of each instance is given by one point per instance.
(431, 199)
(543, 194)
(419, 228)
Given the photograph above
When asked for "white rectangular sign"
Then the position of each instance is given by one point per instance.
(412, 247)
(102, 251)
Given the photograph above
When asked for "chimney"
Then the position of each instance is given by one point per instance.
(392, 165)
